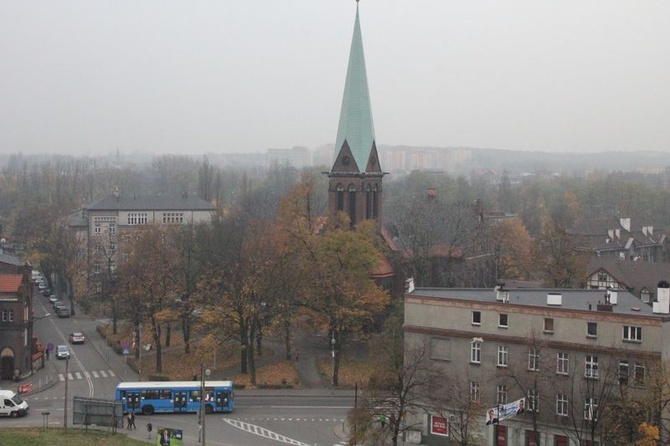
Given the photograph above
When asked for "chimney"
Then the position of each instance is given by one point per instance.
(613, 297)
(502, 294)
(409, 285)
(555, 299)
(662, 305)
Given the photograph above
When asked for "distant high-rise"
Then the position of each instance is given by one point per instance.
(355, 178)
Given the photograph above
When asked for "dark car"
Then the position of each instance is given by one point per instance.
(62, 352)
(63, 311)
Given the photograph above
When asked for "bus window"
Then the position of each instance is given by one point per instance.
(194, 395)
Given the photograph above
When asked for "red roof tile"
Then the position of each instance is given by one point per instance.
(10, 283)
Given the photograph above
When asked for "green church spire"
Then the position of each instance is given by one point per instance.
(356, 127)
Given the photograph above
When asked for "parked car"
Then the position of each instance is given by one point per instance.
(53, 298)
(59, 304)
(63, 311)
(46, 292)
(62, 352)
(77, 337)
(41, 286)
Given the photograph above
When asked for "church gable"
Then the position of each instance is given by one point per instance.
(373, 160)
(345, 161)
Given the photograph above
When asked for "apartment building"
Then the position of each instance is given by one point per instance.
(99, 227)
(564, 353)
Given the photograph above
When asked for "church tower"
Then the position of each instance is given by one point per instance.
(355, 178)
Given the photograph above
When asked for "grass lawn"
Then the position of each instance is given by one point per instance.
(57, 437)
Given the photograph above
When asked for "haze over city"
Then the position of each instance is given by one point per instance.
(83, 78)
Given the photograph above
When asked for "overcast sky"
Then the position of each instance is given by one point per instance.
(189, 76)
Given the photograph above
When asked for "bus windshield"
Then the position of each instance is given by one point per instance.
(150, 397)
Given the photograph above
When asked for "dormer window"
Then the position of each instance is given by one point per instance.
(346, 160)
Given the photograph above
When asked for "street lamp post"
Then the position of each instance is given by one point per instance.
(203, 372)
(332, 344)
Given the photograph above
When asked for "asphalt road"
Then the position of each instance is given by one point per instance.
(314, 417)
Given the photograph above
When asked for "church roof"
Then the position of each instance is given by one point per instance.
(356, 126)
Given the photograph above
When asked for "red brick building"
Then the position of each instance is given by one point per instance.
(16, 328)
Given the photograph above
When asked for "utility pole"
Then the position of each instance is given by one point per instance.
(202, 403)
(67, 369)
(139, 345)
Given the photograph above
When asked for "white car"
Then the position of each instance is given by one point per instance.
(77, 337)
(53, 298)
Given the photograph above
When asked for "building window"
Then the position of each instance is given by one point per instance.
(112, 247)
(533, 401)
(640, 373)
(592, 329)
(96, 267)
(562, 363)
(502, 355)
(602, 277)
(137, 218)
(501, 394)
(560, 440)
(476, 318)
(562, 405)
(502, 320)
(623, 372)
(548, 325)
(7, 315)
(98, 287)
(533, 359)
(476, 352)
(96, 249)
(590, 409)
(173, 218)
(474, 391)
(632, 333)
(112, 230)
(97, 230)
(644, 295)
(591, 367)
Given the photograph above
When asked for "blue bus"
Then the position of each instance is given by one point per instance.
(148, 397)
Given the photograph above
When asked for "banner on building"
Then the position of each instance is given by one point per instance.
(439, 426)
(495, 415)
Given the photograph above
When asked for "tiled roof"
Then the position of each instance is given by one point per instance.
(175, 202)
(10, 283)
(10, 259)
(601, 234)
(633, 275)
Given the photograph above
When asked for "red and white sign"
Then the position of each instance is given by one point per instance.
(438, 426)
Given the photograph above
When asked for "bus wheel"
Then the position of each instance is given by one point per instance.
(148, 410)
(208, 409)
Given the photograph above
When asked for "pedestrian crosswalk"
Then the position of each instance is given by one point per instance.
(85, 375)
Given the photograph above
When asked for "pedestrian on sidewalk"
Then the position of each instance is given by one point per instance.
(131, 421)
(297, 355)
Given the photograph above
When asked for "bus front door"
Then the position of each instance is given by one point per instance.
(133, 401)
(180, 401)
(221, 401)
